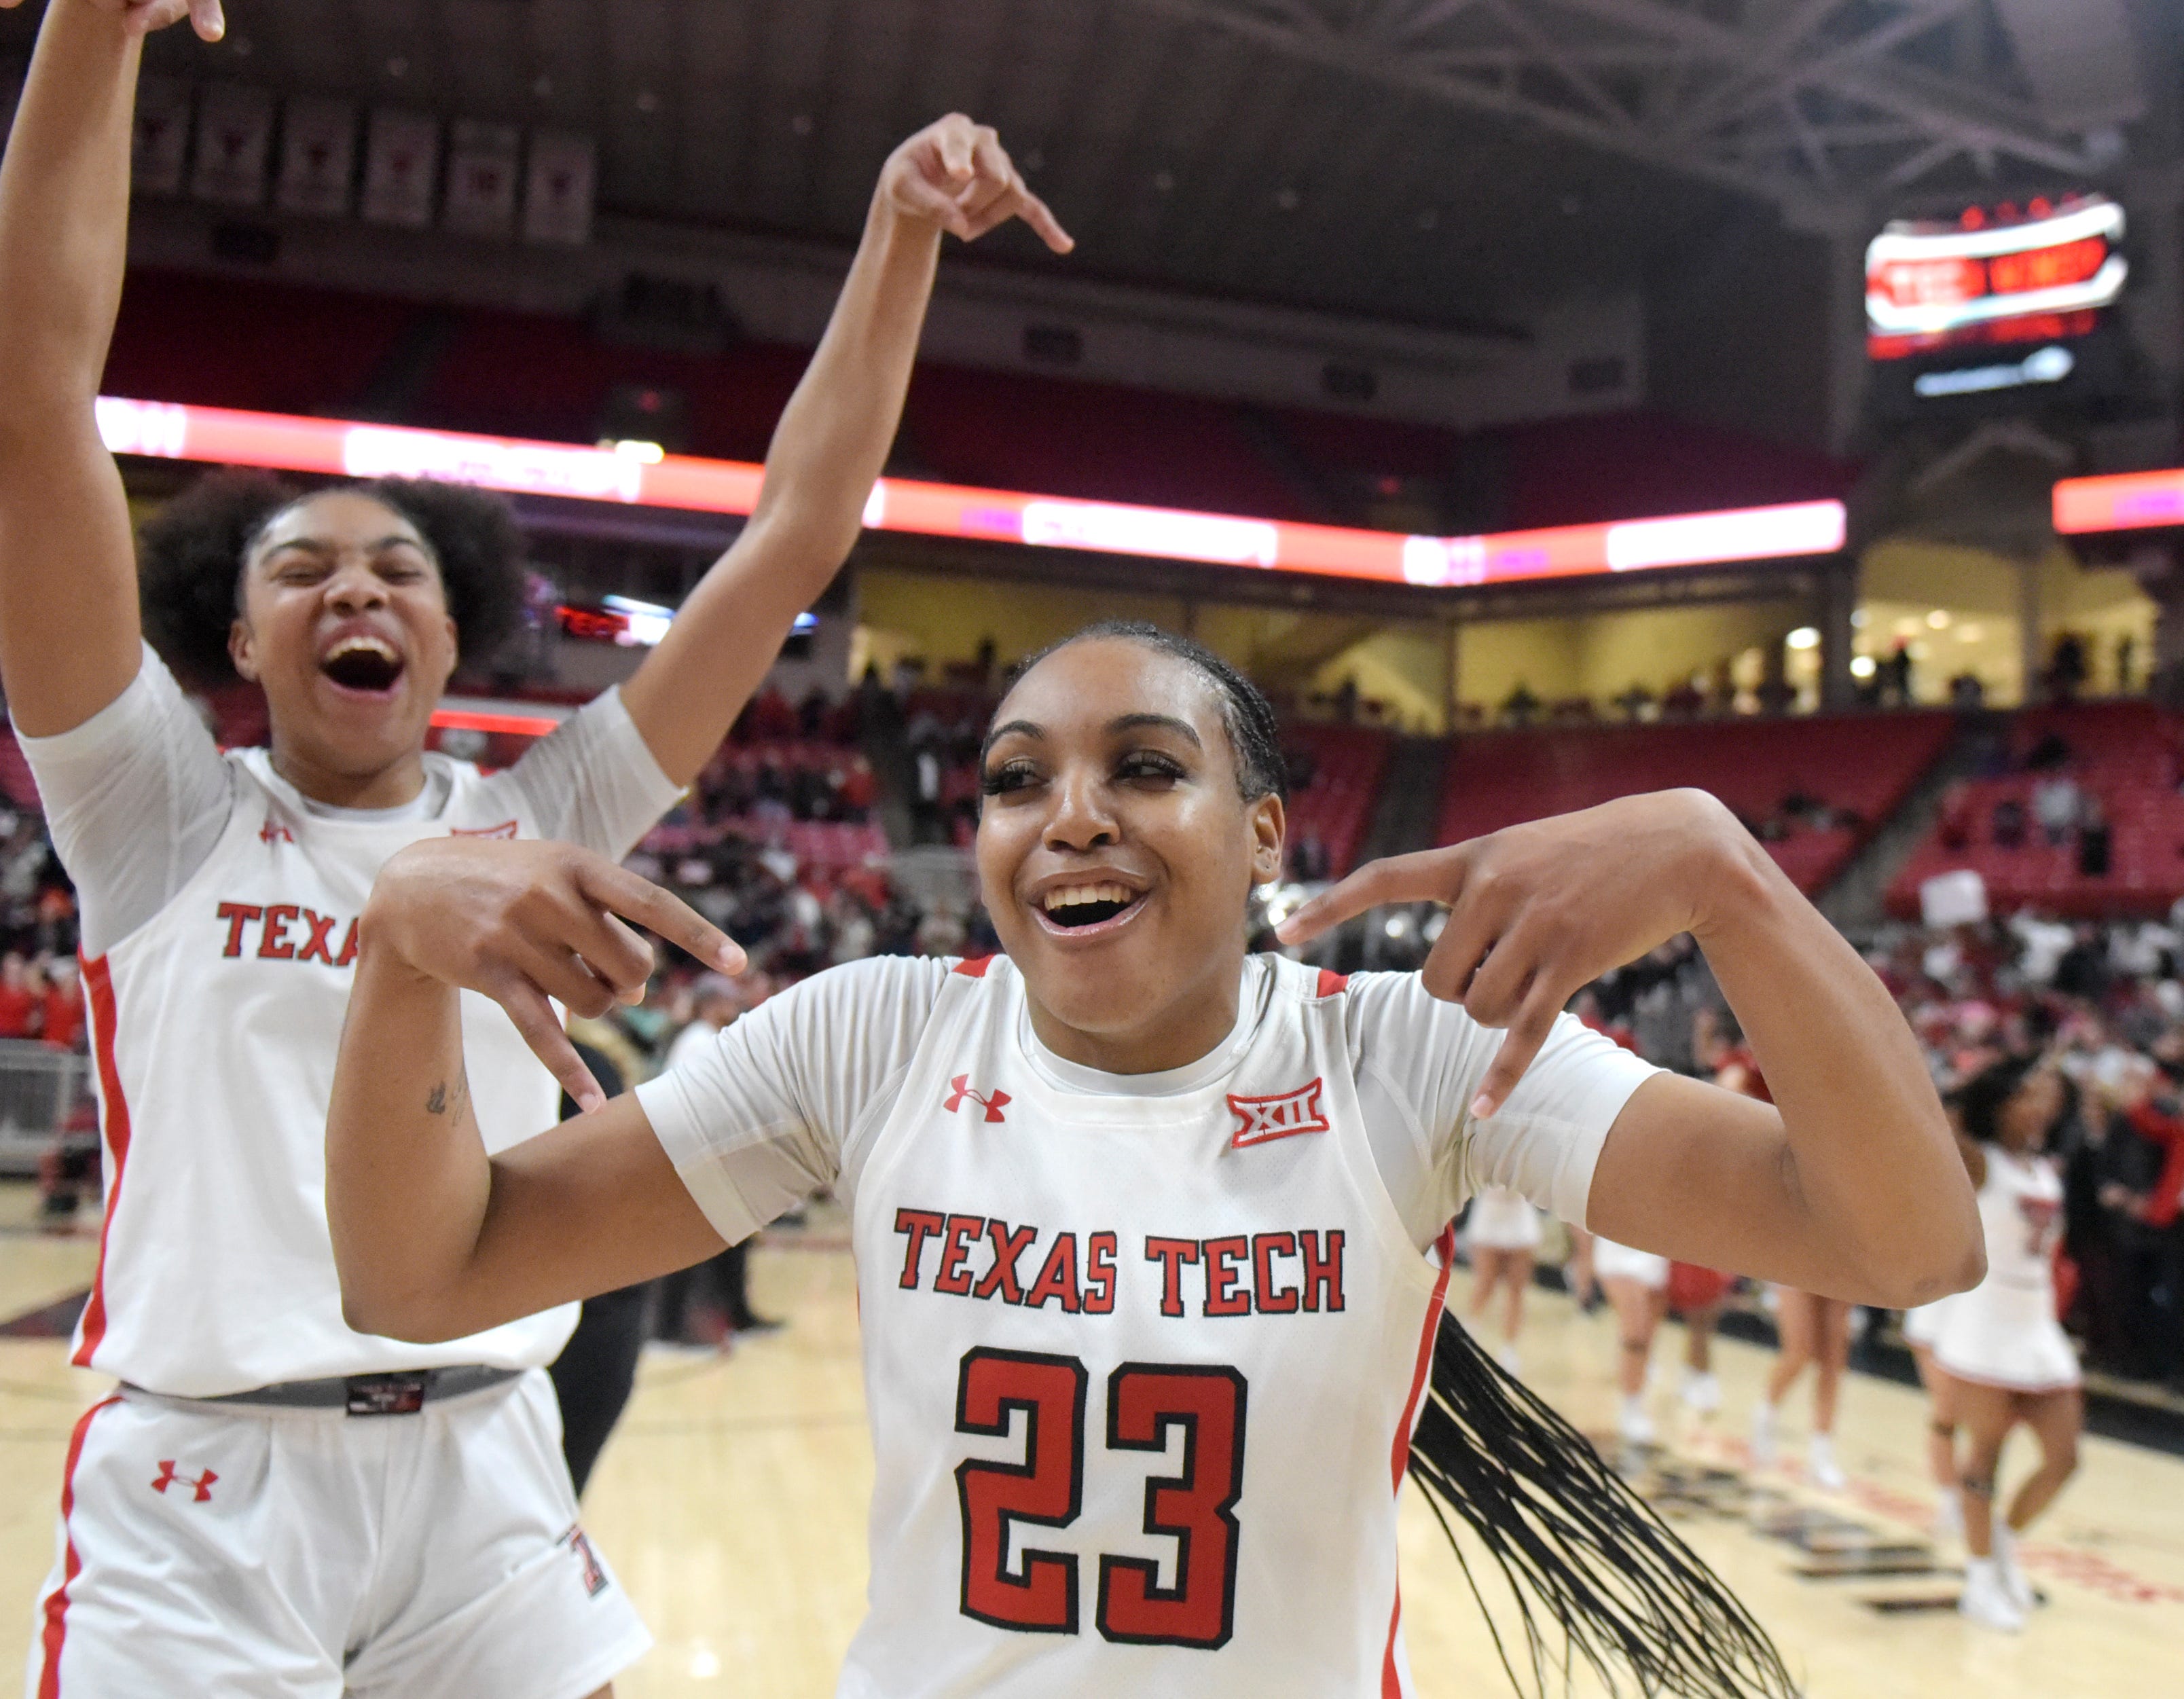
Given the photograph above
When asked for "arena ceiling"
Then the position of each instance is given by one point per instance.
(1443, 162)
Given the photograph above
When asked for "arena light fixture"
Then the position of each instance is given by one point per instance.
(286, 442)
(1805, 636)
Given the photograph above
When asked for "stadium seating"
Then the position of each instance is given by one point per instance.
(1333, 807)
(2124, 755)
(1814, 788)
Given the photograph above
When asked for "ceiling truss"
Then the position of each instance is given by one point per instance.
(1823, 107)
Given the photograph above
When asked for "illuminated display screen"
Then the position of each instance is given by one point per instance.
(639, 475)
(2123, 501)
(2042, 274)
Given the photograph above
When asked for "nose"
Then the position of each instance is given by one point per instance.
(355, 588)
(1081, 819)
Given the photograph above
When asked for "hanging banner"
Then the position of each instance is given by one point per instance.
(318, 156)
(557, 199)
(401, 169)
(161, 141)
(482, 162)
(235, 145)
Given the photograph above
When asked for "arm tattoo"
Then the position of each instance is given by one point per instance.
(456, 1101)
(437, 1104)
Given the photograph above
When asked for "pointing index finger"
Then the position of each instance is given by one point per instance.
(661, 911)
(1424, 875)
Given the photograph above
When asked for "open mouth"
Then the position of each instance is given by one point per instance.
(363, 663)
(1088, 907)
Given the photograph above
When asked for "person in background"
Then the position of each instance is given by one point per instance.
(19, 996)
(597, 1369)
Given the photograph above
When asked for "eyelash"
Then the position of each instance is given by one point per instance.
(1138, 764)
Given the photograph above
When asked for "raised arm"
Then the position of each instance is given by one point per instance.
(1849, 1184)
(832, 442)
(434, 1239)
(69, 629)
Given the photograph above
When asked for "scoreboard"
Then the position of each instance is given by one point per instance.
(2000, 299)
(2043, 274)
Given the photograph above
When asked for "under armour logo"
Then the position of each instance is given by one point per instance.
(273, 832)
(1260, 1120)
(993, 1105)
(595, 1574)
(168, 1478)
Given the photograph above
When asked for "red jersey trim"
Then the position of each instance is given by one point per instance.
(1391, 1681)
(114, 1118)
(54, 1635)
(975, 967)
(1331, 984)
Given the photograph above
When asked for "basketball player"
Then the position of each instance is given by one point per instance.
(1503, 1231)
(2005, 1355)
(272, 1503)
(1127, 1184)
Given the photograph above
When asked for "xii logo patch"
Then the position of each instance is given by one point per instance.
(1262, 1120)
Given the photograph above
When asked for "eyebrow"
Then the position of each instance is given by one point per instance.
(1121, 722)
(319, 545)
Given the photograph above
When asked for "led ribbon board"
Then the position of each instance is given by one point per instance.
(283, 442)
(2123, 501)
(1993, 277)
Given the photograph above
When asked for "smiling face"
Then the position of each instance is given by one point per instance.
(1117, 854)
(344, 622)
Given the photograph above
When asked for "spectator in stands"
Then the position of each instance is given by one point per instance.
(2067, 671)
(2056, 804)
(2093, 839)
(2008, 824)
(1894, 677)
(19, 997)
(60, 1011)
(1519, 708)
(1967, 693)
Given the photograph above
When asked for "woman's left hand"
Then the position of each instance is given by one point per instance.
(1537, 911)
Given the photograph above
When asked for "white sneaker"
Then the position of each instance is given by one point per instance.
(1948, 1523)
(1984, 1600)
(1633, 1423)
(1821, 1469)
(1763, 1449)
(1702, 1393)
(1507, 1357)
(2013, 1581)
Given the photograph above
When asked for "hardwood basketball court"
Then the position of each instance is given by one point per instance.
(732, 1503)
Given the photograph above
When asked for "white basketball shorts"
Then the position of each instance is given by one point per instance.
(251, 1553)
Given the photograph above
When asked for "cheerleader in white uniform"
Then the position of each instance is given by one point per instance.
(1503, 1229)
(1999, 1344)
(1921, 1326)
(1636, 1282)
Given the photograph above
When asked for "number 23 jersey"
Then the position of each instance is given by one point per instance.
(1143, 1355)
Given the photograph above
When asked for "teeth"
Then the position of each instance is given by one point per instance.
(363, 645)
(1070, 896)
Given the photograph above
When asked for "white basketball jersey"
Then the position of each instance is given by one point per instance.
(1142, 1370)
(216, 1026)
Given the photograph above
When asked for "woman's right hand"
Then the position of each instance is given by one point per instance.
(526, 924)
(143, 17)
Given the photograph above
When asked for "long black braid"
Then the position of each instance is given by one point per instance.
(1588, 1561)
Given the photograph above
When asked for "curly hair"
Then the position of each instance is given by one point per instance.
(191, 555)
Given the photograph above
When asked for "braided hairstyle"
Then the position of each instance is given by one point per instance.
(191, 554)
(1597, 1577)
(1254, 732)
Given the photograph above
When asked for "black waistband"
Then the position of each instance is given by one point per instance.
(403, 1393)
